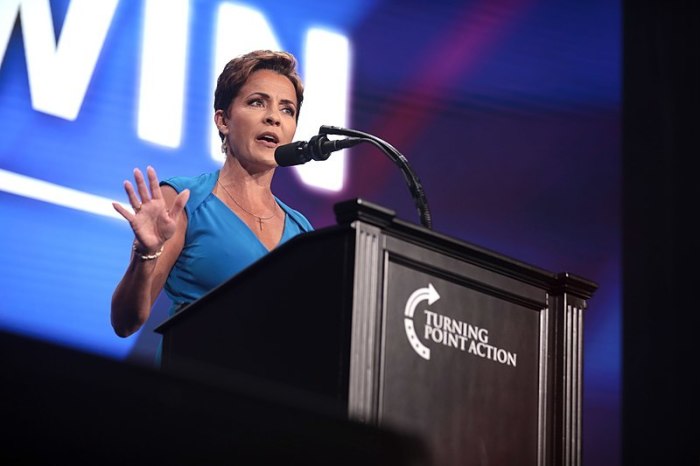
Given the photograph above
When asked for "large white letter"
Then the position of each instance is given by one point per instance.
(163, 71)
(59, 74)
(326, 82)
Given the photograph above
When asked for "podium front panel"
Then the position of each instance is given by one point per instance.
(461, 358)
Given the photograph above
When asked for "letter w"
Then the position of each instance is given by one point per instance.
(59, 71)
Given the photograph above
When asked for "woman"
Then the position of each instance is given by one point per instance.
(191, 234)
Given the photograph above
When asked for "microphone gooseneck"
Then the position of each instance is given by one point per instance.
(320, 147)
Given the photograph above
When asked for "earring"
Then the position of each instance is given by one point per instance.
(223, 146)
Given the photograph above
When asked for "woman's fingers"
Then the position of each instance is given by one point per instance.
(141, 185)
(153, 182)
(146, 195)
(155, 224)
(144, 192)
(123, 212)
(179, 203)
(131, 194)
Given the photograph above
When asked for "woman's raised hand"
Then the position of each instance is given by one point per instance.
(153, 221)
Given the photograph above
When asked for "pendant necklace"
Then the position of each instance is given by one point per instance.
(259, 218)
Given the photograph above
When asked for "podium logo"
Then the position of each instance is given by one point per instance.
(450, 332)
(421, 294)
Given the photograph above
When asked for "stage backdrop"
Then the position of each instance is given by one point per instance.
(508, 111)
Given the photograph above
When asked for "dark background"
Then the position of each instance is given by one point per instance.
(660, 356)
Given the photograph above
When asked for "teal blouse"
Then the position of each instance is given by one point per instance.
(218, 244)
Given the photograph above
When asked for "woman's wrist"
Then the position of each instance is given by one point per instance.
(143, 254)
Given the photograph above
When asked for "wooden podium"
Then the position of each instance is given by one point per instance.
(476, 353)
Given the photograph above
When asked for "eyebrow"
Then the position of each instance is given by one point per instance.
(268, 97)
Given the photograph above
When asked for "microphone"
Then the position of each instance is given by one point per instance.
(319, 148)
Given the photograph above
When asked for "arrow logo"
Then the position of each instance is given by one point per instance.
(421, 294)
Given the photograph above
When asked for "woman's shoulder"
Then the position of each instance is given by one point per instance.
(200, 186)
(297, 217)
(193, 183)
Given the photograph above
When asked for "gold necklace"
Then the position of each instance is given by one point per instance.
(260, 219)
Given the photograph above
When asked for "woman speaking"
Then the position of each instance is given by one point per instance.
(193, 233)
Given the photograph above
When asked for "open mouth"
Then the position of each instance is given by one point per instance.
(268, 138)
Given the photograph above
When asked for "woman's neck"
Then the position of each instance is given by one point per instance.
(254, 188)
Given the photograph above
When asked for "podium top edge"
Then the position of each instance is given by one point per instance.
(361, 210)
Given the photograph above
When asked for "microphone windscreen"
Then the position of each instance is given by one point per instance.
(287, 155)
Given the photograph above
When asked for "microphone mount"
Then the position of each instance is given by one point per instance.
(414, 184)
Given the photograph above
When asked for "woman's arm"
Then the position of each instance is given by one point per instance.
(159, 228)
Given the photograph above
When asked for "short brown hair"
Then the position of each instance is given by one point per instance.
(237, 71)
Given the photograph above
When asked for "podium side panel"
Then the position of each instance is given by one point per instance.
(284, 319)
(366, 324)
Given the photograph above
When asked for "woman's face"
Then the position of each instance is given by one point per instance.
(260, 118)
